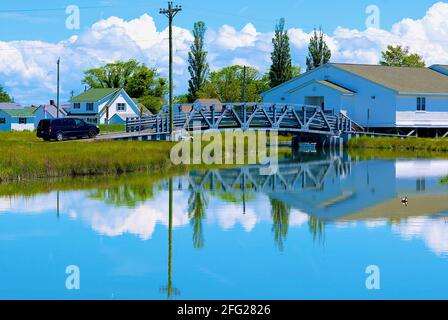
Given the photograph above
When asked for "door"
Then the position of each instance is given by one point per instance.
(81, 128)
(70, 129)
(315, 101)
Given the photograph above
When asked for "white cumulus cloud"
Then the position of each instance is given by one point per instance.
(27, 68)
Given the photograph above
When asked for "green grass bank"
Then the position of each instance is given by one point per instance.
(409, 144)
(23, 156)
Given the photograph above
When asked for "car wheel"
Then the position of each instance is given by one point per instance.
(59, 137)
(92, 134)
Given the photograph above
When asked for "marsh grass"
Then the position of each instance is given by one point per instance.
(23, 156)
(409, 144)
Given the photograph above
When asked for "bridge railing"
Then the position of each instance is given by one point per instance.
(284, 117)
(346, 124)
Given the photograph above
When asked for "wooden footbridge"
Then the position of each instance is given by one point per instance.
(245, 116)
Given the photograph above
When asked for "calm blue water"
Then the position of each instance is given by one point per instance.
(309, 232)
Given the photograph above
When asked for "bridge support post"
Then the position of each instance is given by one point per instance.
(346, 137)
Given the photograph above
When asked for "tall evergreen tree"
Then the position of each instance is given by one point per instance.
(318, 51)
(281, 68)
(197, 58)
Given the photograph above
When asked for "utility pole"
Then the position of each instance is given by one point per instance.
(244, 84)
(57, 98)
(170, 13)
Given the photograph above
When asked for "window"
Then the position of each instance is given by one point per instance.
(76, 106)
(89, 106)
(92, 120)
(421, 104)
(69, 123)
(2, 120)
(22, 120)
(57, 123)
(121, 106)
(79, 123)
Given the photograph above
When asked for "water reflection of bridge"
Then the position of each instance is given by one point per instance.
(290, 176)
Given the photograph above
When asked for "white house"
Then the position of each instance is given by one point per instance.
(102, 106)
(18, 119)
(378, 97)
(48, 112)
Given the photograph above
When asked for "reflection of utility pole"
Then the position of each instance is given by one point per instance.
(244, 193)
(170, 13)
(57, 97)
(170, 291)
(57, 204)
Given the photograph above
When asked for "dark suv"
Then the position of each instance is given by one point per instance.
(68, 128)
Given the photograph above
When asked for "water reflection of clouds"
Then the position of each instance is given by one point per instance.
(407, 169)
(433, 231)
(141, 221)
(34, 205)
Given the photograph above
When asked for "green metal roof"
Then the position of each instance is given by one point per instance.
(401, 79)
(20, 113)
(94, 95)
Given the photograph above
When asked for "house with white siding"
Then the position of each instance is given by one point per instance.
(102, 106)
(17, 119)
(377, 97)
(49, 111)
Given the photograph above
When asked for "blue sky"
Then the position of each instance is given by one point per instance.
(33, 35)
(47, 22)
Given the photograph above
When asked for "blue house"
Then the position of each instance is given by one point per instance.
(377, 97)
(102, 106)
(17, 119)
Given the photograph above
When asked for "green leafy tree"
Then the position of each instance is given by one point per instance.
(399, 56)
(111, 75)
(296, 71)
(181, 99)
(151, 103)
(318, 51)
(197, 59)
(139, 81)
(227, 84)
(4, 96)
(281, 68)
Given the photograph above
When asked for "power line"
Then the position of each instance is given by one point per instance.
(51, 9)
